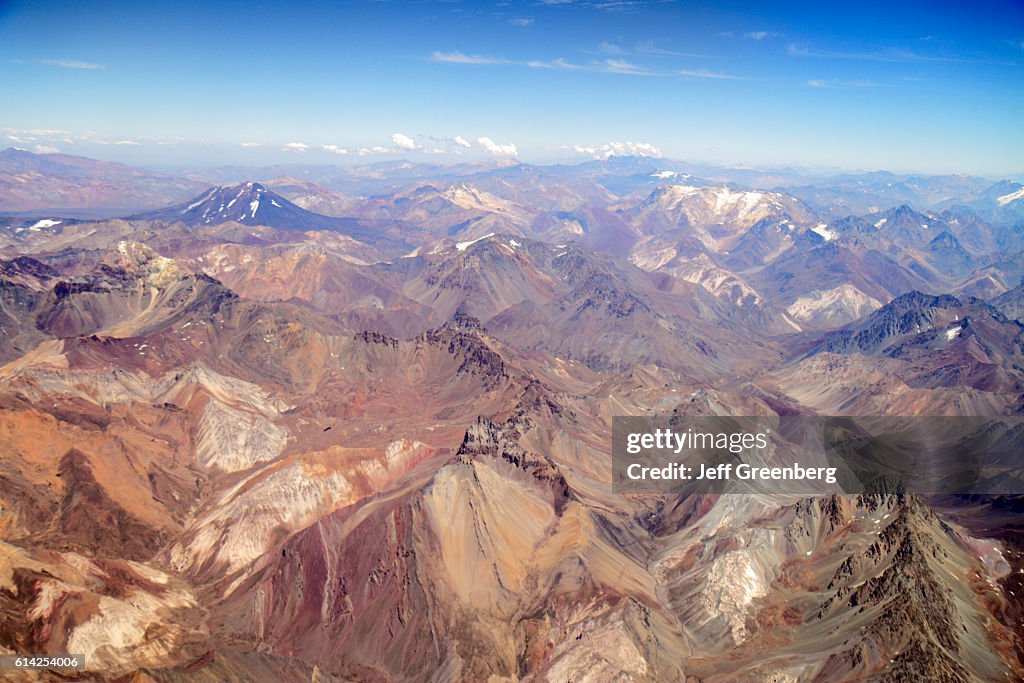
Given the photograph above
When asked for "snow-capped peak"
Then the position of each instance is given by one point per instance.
(462, 246)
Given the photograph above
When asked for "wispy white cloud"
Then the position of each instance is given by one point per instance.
(885, 55)
(618, 5)
(404, 142)
(71, 64)
(759, 35)
(618, 149)
(46, 132)
(601, 5)
(462, 58)
(335, 149)
(649, 48)
(608, 65)
(836, 83)
(611, 49)
(703, 73)
(250, 145)
(644, 49)
(130, 143)
(621, 66)
(492, 147)
(294, 147)
(553, 64)
(461, 141)
(521, 21)
(367, 151)
(46, 149)
(92, 137)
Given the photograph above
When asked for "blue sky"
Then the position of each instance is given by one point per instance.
(930, 86)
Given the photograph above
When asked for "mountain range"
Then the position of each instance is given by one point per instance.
(335, 424)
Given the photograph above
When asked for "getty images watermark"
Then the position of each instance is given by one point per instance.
(812, 455)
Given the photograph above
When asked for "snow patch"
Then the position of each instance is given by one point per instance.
(881, 222)
(462, 246)
(1012, 197)
(200, 201)
(823, 230)
(44, 223)
(953, 333)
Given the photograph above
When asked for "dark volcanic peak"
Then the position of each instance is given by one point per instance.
(248, 203)
(253, 204)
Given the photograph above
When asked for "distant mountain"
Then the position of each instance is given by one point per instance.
(253, 204)
(949, 256)
(378, 178)
(880, 190)
(61, 181)
(829, 265)
(917, 355)
(909, 314)
(720, 219)
(1001, 203)
(313, 196)
(460, 211)
(943, 340)
(940, 248)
